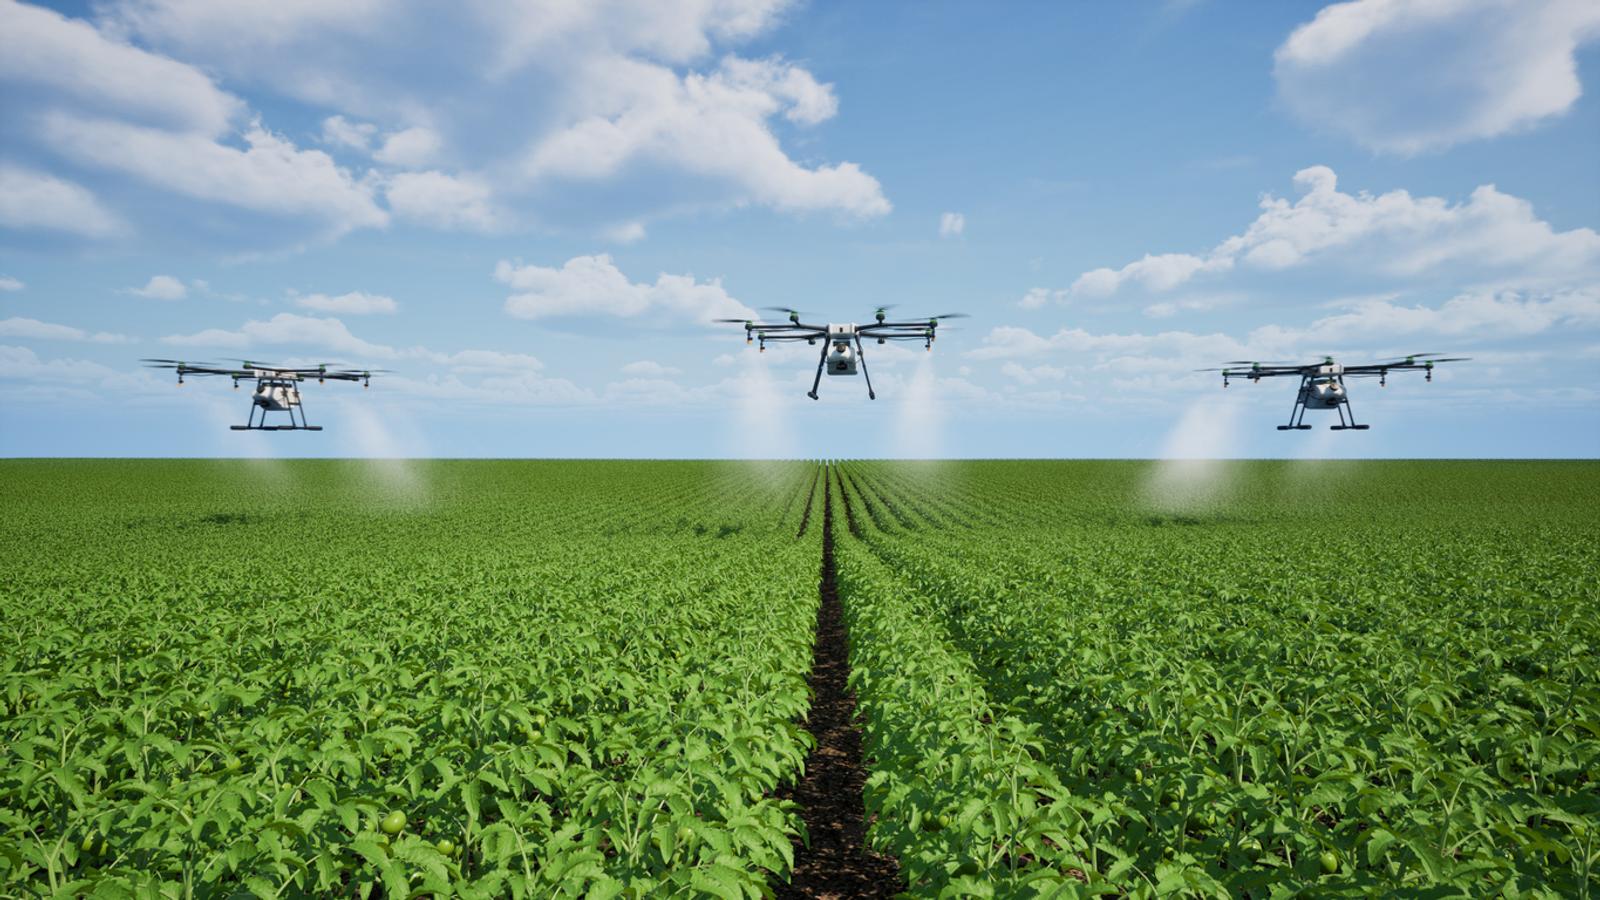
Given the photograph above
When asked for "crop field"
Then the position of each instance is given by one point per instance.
(594, 679)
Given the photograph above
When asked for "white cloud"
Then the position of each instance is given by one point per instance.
(342, 132)
(1393, 232)
(626, 233)
(17, 327)
(442, 200)
(487, 361)
(45, 49)
(570, 95)
(593, 285)
(355, 303)
(1038, 298)
(271, 175)
(1033, 375)
(161, 287)
(1154, 272)
(713, 126)
(309, 332)
(1367, 326)
(673, 32)
(7, 284)
(411, 148)
(1407, 77)
(649, 368)
(952, 224)
(32, 200)
(1197, 303)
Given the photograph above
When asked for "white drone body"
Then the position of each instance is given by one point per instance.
(276, 395)
(1324, 393)
(842, 356)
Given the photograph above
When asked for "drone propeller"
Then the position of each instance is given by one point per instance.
(949, 316)
(1428, 357)
(172, 363)
(736, 321)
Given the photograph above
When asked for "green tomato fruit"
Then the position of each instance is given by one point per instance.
(88, 843)
(1138, 776)
(393, 822)
(685, 834)
(446, 846)
(1330, 862)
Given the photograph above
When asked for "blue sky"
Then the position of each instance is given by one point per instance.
(530, 210)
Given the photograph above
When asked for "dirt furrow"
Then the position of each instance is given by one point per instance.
(837, 864)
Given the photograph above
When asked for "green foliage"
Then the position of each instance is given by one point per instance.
(1369, 679)
(481, 679)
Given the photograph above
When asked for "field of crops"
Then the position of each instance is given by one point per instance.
(590, 678)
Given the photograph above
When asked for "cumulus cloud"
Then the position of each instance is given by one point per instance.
(342, 132)
(7, 284)
(442, 200)
(1031, 375)
(355, 303)
(1393, 232)
(32, 200)
(17, 327)
(649, 368)
(1407, 77)
(1038, 298)
(626, 233)
(411, 148)
(594, 286)
(309, 332)
(55, 54)
(161, 287)
(711, 125)
(270, 175)
(951, 224)
(1377, 325)
(572, 96)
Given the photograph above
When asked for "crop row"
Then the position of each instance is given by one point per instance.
(586, 683)
(1222, 701)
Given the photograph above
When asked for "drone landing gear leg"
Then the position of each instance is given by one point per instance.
(1350, 423)
(1297, 414)
(303, 425)
(821, 361)
(861, 354)
(250, 420)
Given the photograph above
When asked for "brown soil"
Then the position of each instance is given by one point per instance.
(838, 863)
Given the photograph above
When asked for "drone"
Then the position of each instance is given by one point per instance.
(277, 387)
(839, 357)
(1322, 384)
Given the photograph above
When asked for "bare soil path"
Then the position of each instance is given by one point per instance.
(838, 863)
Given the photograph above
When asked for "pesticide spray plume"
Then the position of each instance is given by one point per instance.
(919, 414)
(1193, 474)
(386, 445)
(760, 429)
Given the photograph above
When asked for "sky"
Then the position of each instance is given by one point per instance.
(530, 211)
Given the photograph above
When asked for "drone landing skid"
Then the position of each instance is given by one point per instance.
(252, 424)
(275, 427)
